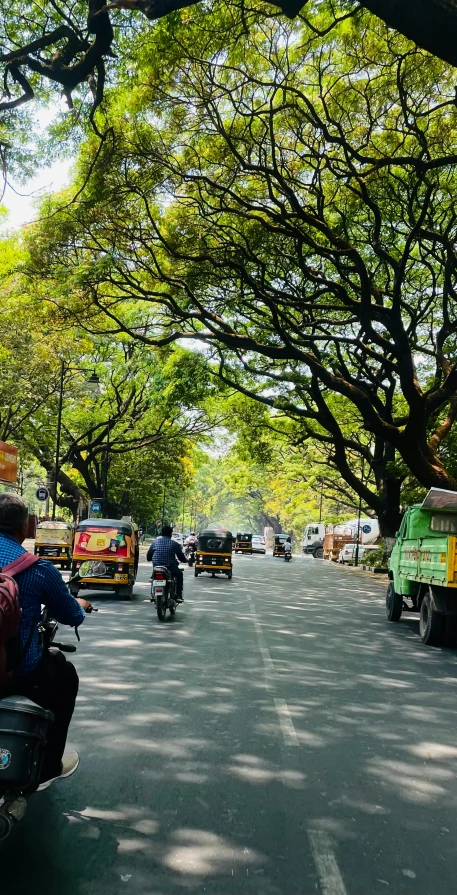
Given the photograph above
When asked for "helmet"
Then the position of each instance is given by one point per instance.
(193, 533)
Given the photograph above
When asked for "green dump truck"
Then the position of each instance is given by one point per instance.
(423, 567)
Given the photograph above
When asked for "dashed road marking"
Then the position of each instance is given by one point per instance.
(287, 725)
(285, 719)
(328, 871)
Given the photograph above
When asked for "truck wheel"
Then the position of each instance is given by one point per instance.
(432, 625)
(319, 553)
(394, 604)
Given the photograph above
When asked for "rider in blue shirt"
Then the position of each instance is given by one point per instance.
(166, 552)
(45, 676)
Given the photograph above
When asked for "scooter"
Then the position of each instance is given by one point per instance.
(287, 556)
(164, 591)
(23, 729)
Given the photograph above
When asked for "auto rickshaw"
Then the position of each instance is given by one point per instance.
(214, 553)
(54, 541)
(280, 540)
(109, 549)
(243, 543)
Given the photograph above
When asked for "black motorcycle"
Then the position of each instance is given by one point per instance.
(191, 554)
(287, 556)
(164, 591)
(23, 729)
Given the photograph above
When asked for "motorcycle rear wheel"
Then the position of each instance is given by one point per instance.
(161, 606)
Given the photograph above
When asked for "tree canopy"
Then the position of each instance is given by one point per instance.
(287, 201)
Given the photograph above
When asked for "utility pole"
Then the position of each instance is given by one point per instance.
(105, 476)
(320, 504)
(163, 507)
(59, 433)
(356, 558)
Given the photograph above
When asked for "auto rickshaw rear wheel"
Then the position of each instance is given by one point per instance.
(229, 576)
(195, 573)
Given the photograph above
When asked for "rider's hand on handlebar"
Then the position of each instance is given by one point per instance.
(85, 604)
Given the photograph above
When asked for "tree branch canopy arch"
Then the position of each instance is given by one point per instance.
(290, 207)
(69, 45)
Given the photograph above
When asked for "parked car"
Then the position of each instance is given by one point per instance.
(347, 553)
(258, 544)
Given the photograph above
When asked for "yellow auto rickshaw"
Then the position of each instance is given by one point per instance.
(54, 541)
(214, 553)
(107, 552)
(280, 540)
(243, 543)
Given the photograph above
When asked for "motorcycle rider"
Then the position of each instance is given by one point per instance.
(191, 543)
(165, 552)
(288, 547)
(45, 676)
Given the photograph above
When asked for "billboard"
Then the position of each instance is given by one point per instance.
(8, 463)
(103, 542)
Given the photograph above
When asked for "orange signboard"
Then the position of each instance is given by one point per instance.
(8, 463)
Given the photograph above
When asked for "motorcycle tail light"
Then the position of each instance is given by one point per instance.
(159, 576)
(120, 567)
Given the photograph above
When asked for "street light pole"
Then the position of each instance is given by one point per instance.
(59, 433)
(356, 558)
(93, 382)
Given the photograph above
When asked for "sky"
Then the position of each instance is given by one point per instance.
(19, 199)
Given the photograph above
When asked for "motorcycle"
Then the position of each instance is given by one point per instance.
(164, 591)
(191, 554)
(287, 556)
(23, 729)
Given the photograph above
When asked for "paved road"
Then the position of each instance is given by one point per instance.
(277, 737)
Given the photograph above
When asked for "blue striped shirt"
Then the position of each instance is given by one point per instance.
(41, 583)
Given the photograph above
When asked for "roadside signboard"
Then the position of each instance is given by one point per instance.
(42, 493)
(96, 509)
(8, 463)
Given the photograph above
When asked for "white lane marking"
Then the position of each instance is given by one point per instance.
(264, 651)
(327, 868)
(287, 725)
(285, 719)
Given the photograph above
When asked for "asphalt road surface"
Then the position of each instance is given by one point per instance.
(276, 737)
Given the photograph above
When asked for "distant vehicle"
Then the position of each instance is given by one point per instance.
(280, 539)
(347, 553)
(178, 537)
(243, 542)
(258, 544)
(313, 540)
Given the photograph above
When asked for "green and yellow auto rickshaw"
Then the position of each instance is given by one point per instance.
(214, 553)
(243, 543)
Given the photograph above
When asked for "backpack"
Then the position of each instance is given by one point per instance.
(10, 613)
